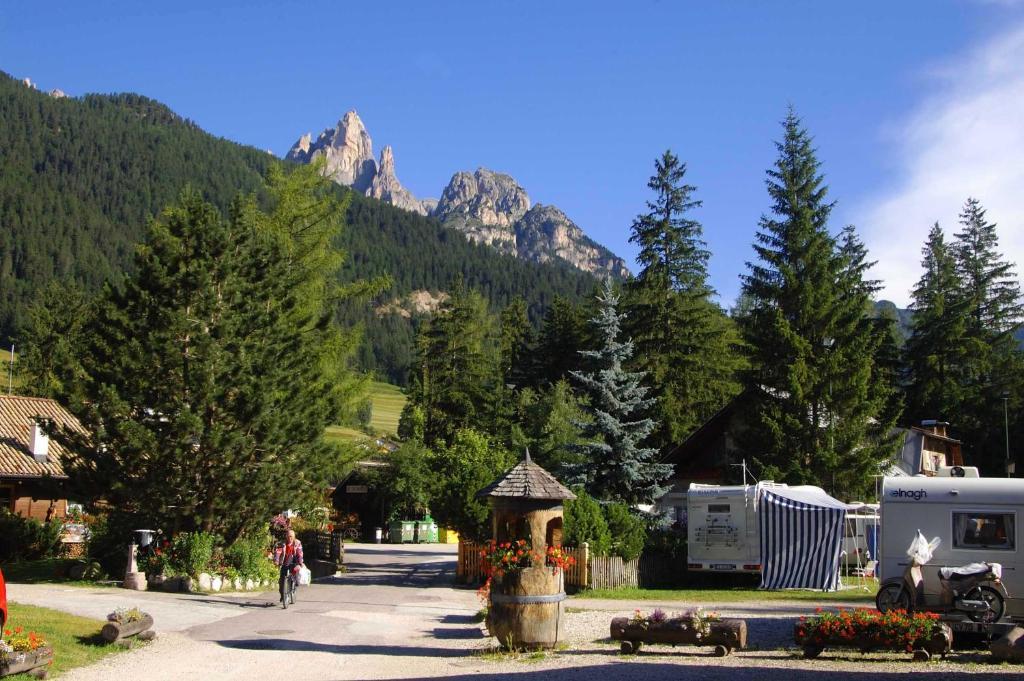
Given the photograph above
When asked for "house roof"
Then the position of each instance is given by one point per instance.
(17, 415)
(527, 480)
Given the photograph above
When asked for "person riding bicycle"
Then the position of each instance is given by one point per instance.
(288, 557)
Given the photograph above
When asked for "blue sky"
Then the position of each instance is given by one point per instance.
(913, 105)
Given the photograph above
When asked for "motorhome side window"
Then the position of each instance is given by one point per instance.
(718, 508)
(990, 531)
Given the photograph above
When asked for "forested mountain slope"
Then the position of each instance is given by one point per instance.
(80, 177)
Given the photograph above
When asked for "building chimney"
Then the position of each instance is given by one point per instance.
(935, 427)
(40, 443)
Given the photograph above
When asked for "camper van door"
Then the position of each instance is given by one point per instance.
(976, 519)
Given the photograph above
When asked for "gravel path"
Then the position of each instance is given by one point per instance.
(394, 617)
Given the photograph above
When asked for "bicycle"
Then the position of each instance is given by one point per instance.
(289, 587)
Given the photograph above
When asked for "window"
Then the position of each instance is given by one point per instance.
(7, 498)
(718, 508)
(989, 531)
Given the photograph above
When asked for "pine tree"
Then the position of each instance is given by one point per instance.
(993, 363)
(684, 342)
(615, 466)
(516, 343)
(935, 353)
(812, 348)
(208, 380)
(562, 335)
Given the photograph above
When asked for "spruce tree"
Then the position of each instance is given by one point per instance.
(562, 335)
(209, 378)
(934, 353)
(993, 365)
(615, 465)
(684, 341)
(812, 348)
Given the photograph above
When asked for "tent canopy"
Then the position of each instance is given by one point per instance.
(801, 537)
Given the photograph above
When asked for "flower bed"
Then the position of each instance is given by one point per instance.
(695, 627)
(22, 652)
(514, 556)
(919, 633)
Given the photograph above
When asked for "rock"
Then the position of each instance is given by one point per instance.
(57, 93)
(474, 201)
(205, 581)
(545, 232)
(386, 187)
(418, 302)
(1010, 647)
(136, 581)
(185, 584)
(348, 151)
(217, 583)
(238, 584)
(250, 585)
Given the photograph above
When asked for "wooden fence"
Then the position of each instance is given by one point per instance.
(470, 567)
(652, 569)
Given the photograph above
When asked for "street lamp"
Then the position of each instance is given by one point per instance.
(1006, 425)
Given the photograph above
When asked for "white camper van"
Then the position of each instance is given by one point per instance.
(722, 532)
(977, 519)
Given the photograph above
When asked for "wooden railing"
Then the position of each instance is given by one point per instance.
(589, 571)
(470, 567)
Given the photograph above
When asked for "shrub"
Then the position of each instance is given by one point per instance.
(627, 532)
(584, 522)
(27, 538)
(248, 556)
(192, 552)
(108, 541)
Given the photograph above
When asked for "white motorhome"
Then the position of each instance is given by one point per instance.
(722, 533)
(977, 519)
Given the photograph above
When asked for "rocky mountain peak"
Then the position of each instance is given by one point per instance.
(386, 187)
(483, 197)
(348, 151)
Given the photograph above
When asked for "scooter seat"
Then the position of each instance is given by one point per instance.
(956, 574)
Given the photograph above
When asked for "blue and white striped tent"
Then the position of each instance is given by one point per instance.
(801, 537)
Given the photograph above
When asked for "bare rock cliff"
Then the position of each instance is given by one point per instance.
(348, 151)
(386, 187)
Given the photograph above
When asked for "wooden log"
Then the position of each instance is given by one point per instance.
(114, 631)
(730, 634)
(940, 643)
(32, 659)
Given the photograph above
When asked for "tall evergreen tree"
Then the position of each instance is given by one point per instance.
(458, 371)
(684, 341)
(993, 363)
(563, 334)
(811, 347)
(615, 465)
(934, 352)
(208, 380)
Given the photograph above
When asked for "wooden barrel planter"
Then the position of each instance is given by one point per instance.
(19, 663)
(115, 631)
(526, 607)
(725, 635)
(922, 649)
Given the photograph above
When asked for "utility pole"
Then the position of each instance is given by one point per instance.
(1006, 425)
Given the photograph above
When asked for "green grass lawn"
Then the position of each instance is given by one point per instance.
(76, 640)
(388, 402)
(734, 595)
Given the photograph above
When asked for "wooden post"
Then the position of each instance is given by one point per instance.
(584, 564)
(460, 570)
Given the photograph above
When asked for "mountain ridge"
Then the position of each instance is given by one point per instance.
(487, 206)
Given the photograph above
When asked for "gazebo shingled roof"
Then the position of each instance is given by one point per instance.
(527, 480)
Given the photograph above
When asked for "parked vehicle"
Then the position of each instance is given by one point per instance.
(974, 591)
(976, 522)
(3, 601)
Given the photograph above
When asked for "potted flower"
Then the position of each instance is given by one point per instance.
(693, 627)
(22, 651)
(865, 629)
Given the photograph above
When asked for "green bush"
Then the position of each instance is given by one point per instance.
(27, 538)
(248, 556)
(584, 522)
(627, 531)
(109, 536)
(192, 553)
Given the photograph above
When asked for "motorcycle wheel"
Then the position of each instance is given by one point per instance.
(996, 605)
(892, 597)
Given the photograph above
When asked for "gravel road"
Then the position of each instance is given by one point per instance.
(395, 617)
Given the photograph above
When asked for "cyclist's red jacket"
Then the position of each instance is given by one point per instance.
(289, 556)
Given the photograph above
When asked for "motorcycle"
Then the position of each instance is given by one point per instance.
(974, 590)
